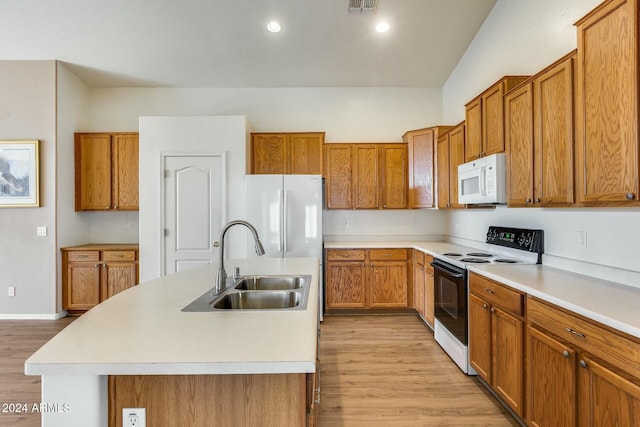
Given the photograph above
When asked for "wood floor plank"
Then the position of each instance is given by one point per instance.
(19, 339)
(388, 371)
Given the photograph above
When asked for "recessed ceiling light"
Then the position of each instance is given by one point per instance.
(382, 27)
(274, 27)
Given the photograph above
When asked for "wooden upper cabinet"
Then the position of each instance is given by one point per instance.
(287, 153)
(393, 161)
(456, 158)
(484, 118)
(553, 133)
(607, 105)
(421, 150)
(539, 125)
(519, 136)
(442, 163)
(365, 177)
(338, 176)
(106, 171)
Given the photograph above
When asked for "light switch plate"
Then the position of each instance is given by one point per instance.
(41, 230)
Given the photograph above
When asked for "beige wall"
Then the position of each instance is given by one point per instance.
(28, 262)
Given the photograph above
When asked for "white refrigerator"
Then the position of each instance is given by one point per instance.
(286, 210)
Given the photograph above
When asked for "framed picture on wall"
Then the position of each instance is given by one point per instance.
(19, 181)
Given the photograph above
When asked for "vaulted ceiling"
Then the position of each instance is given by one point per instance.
(224, 43)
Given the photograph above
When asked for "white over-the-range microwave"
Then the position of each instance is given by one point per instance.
(483, 181)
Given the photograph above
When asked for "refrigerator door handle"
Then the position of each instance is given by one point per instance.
(283, 232)
(281, 221)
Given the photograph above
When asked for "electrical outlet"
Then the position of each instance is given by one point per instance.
(134, 417)
(12, 291)
(582, 239)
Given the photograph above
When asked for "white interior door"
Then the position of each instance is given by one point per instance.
(193, 206)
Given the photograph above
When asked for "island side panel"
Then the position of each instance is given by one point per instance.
(74, 400)
(269, 400)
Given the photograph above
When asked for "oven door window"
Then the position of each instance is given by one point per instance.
(451, 303)
(448, 297)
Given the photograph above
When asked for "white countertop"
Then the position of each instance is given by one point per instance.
(609, 303)
(142, 330)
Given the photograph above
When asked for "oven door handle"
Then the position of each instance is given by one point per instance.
(448, 271)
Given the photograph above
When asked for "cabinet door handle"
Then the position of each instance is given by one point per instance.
(484, 306)
(493, 310)
(630, 196)
(536, 200)
(364, 264)
(582, 363)
(576, 333)
(527, 201)
(96, 265)
(565, 354)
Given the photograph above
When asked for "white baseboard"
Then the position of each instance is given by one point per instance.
(52, 316)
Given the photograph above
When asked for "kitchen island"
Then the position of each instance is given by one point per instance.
(143, 333)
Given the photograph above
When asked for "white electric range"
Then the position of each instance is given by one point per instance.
(509, 246)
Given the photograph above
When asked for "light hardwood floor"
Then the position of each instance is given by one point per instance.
(375, 371)
(19, 339)
(388, 371)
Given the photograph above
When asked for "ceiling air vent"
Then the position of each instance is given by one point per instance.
(361, 7)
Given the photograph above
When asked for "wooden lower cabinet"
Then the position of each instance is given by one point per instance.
(579, 373)
(423, 290)
(367, 278)
(93, 273)
(496, 339)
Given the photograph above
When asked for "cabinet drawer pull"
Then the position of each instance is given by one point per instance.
(487, 290)
(576, 333)
(81, 256)
(565, 354)
(582, 363)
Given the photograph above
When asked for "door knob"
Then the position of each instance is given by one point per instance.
(216, 244)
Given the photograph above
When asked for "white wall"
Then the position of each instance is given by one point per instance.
(214, 134)
(28, 262)
(522, 36)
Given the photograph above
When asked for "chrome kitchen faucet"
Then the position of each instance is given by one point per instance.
(221, 278)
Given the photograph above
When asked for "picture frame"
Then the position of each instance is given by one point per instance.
(19, 174)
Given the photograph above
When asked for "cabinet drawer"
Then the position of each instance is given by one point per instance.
(119, 256)
(495, 293)
(83, 256)
(387, 254)
(345, 255)
(597, 340)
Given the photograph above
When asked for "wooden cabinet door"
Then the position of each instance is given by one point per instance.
(519, 143)
(551, 381)
(117, 277)
(394, 176)
(420, 147)
(480, 337)
(83, 285)
(125, 171)
(345, 284)
(456, 158)
(388, 284)
(365, 177)
(269, 153)
(429, 293)
(473, 123)
(493, 120)
(419, 288)
(93, 171)
(443, 172)
(607, 107)
(507, 355)
(305, 153)
(553, 94)
(338, 176)
(607, 398)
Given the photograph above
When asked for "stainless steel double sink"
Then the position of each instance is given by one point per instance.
(259, 292)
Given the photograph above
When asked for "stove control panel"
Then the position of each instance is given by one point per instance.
(517, 238)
